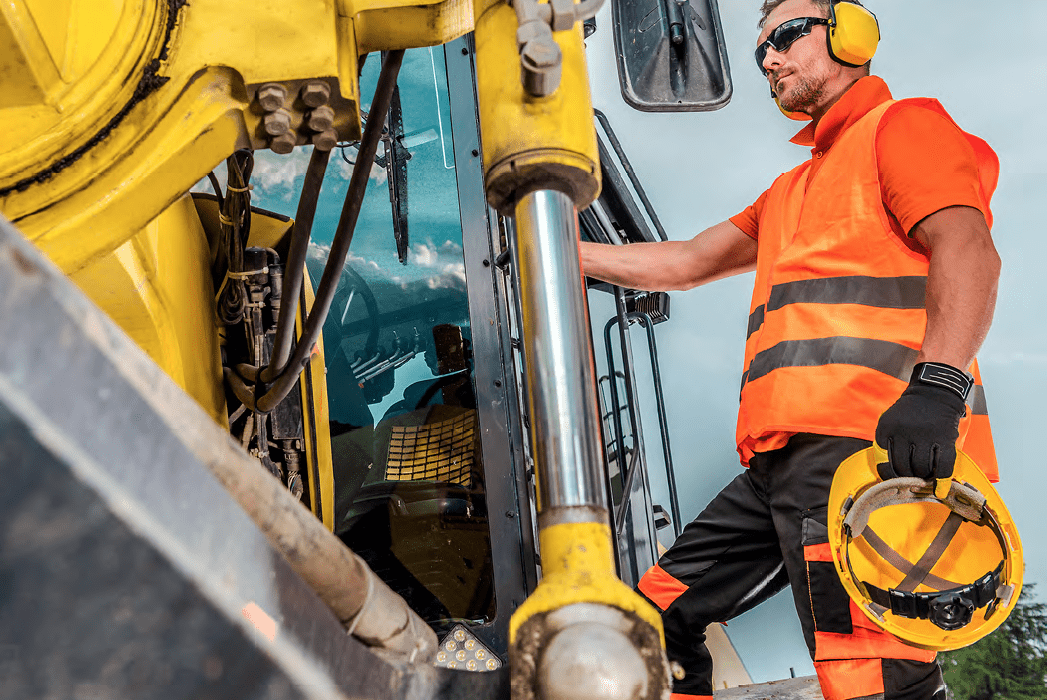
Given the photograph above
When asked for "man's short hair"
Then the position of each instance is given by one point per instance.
(769, 5)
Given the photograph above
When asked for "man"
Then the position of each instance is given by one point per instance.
(873, 257)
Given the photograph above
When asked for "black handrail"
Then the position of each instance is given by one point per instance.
(627, 166)
(624, 318)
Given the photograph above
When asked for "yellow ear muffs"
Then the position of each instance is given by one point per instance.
(853, 33)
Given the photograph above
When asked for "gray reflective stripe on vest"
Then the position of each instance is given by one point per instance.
(977, 401)
(755, 321)
(883, 356)
(878, 292)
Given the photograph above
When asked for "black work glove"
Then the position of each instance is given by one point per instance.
(920, 430)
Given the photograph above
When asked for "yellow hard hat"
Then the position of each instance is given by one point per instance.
(936, 564)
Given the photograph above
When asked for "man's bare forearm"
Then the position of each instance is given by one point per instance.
(961, 285)
(719, 251)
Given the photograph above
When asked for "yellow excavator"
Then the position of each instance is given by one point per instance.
(298, 392)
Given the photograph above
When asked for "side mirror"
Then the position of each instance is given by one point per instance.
(671, 55)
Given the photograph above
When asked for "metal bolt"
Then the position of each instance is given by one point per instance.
(315, 93)
(540, 66)
(284, 143)
(277, 122)
(475, 153)
(321, 118)
(271, 96)
(465, 51)
(326, 140)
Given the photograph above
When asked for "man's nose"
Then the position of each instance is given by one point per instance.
(772, 59)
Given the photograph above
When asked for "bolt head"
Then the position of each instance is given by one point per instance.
(326, 140)
(315, 93)
(321, 118)
(277, 122)
(541, 53)
(284, 143)
(271, 96)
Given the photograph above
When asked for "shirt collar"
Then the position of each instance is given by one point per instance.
(860, 99)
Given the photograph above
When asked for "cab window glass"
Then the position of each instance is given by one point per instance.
(409, 482)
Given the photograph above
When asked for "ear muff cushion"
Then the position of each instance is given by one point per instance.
(854, 35)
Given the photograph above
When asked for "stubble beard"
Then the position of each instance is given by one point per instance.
(804, 95)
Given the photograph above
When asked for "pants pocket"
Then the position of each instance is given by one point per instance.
(830, 604)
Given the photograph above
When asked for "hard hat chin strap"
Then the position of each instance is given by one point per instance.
(952, 606)
(951, 609)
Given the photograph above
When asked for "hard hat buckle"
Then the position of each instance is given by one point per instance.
(951, 611)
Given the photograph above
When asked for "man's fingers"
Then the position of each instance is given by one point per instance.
(885, 471)
(922, 460)
(898, 450)
(946, 461)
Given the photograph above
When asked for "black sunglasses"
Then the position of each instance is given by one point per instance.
(785, 34)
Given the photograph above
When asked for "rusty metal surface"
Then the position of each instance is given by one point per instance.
(789, 689)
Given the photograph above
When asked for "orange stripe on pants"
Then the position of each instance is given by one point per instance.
(866, 641)
(661, 588)
(848, 679)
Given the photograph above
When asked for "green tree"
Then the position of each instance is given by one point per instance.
(1009, 664)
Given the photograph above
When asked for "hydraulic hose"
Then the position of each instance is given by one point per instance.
(343, 238)
(294, 272)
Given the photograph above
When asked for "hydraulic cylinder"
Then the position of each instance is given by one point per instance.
(583, 633)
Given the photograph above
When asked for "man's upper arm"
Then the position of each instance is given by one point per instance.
(926, 165)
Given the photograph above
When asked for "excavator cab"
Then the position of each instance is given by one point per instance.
(429, 466)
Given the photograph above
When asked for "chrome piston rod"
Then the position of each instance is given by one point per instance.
(565, 434)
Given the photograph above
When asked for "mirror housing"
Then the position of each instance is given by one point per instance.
(671, 55)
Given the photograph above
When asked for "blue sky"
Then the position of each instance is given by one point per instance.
(987, 69)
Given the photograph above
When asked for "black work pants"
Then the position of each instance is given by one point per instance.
(763, 531)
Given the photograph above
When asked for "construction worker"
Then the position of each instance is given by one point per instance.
(875, 285)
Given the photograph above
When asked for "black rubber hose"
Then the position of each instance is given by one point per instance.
(294, 271)
(343, 238)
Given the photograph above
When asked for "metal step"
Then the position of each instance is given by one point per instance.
(126, 570)
(805, 688)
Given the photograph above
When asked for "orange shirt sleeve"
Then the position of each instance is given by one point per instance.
(749, 220)
(926, 164)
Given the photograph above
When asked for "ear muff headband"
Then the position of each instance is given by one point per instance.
(853, 33)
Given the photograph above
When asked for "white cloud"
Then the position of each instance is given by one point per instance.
(452, 276)
(443, 266)
(276, 175)
(424, 255)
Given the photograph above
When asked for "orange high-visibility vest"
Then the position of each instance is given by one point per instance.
(838, 311)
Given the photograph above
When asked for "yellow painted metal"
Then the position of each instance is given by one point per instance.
(315, 412)
(157, 288)
(113, 109)
(82, 214)
(405, 24)
(75, 98)
(533, 143)
(578, 567)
